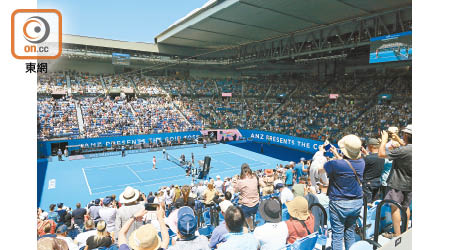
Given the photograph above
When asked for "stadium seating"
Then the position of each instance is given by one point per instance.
(170, 104)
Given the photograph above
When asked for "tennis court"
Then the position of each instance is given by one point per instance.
(72, 181)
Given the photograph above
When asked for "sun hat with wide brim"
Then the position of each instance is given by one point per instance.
(145, 238)
(129, 195)
(350, 146)
(270, 210)
(408, 129)
(298, 208)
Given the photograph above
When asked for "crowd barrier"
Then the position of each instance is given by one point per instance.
(306, 145)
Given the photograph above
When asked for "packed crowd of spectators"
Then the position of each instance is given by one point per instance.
(51, 82)
(57, 117)
(85, 83)
(106, 116)
(263, 209)
(295, 107)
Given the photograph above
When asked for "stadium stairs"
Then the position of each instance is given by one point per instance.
(370, 105)
(287, 100)
(268, 91)
(136, 90)
(217, 88)
(79, 118)
(103, 84)
(69, 89)
(173, 103)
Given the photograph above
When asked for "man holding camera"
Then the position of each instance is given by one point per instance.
(400, 178)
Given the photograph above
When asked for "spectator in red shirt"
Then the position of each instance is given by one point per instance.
(301, 223)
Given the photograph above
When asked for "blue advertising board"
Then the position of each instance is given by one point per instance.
(302, 144)
(297, 143)
(45, 146)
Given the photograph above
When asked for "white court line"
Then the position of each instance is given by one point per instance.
(87, 183)
(171, 180)
(116, 164)
(248, 157)
(134, 173)
(146, 170)
(170, 177)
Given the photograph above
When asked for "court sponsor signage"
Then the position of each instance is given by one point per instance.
(45, 146)
(302, 144)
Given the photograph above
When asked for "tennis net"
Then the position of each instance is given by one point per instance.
(173, 159)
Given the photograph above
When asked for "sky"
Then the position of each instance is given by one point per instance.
(132, 20)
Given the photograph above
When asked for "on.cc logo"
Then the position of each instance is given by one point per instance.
(36, 29)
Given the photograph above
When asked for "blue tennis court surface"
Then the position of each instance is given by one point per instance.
(87, 179)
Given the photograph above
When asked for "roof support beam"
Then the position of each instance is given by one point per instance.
(220, 33)
(281, 13)
(355, 7)
(248, 25)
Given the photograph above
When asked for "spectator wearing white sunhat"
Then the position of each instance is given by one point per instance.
(345, 191)
(130, 206)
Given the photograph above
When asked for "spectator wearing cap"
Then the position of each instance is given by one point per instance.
(345, 191)
(53, 215)
(285, 193)
(61, 233)
(93, 211)
(145, 237)
(301, 221)
(218, 234)
(128, 198)
(274, 233)
(372, 171)
(89, 230)
(236, 238)
(101, 239)
(248, 188)
(78, 215)
(315, 175)
(268, 182)
(108, 214)
(400, 178)
(187, 227)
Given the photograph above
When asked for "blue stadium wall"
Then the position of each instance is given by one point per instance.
(296, 143)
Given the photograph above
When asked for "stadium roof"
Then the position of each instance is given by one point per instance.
(108, 43)
(223, 23)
